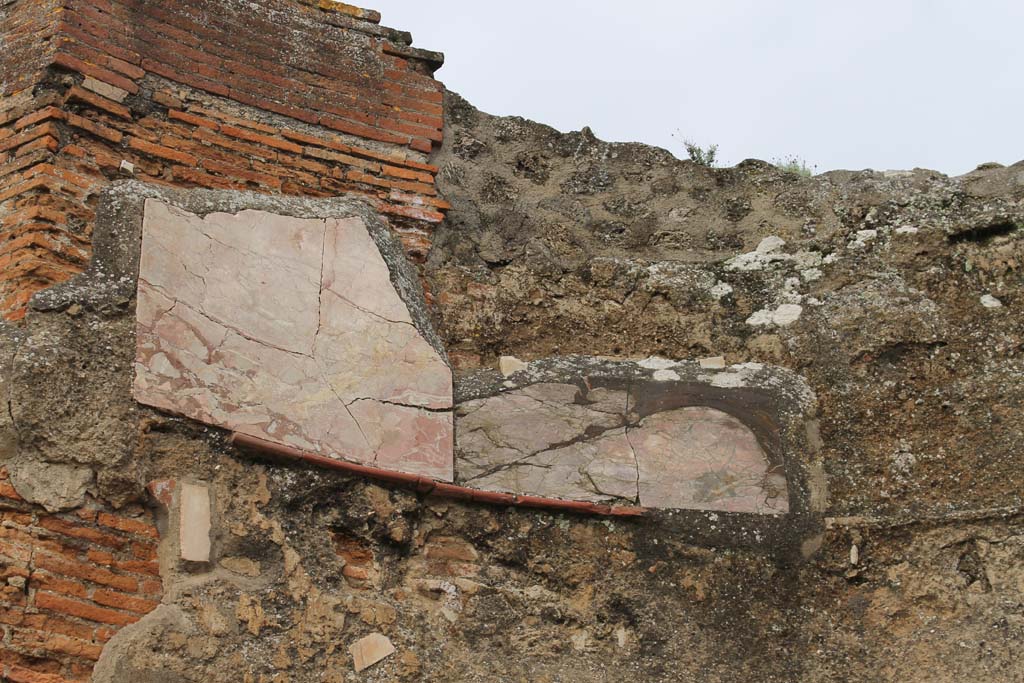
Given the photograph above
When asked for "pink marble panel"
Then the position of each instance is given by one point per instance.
(702, 458)
(553, 441)
(290, 330)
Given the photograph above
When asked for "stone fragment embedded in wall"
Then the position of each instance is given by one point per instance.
(369, 650)
(294, 330)
(656, 433)
(194, 523)
(55, 486)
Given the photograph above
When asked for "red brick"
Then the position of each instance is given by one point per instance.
(358, 177)
(96, 129)
(418, 200)
(167, 99)
(80, 94)
(330, 155)
(242, 148)
(138, 566)
(266, 140)
(104, 633)
(54, 584)
(414, 212)
(139, 527)
(49, 623)
(28, 135)
(47, 143)
(56, 643)
(43, 114)
(129, 70)
(156, 150)
(361, 130)
(240, 173)
(235, 120)
(7, 491)
(83, 610)
(192, 118)
(74, 64)
(412, 130)
(422, 145)
(407, 174)
(124, 601)
(66, 567)
(87, 514)
(17, 674)
(144, 551)
(189, 177)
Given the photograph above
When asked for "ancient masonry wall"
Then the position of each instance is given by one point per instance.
(279, 96)
(68, 582)
(294, 97)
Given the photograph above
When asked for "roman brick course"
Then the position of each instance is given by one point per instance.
(96, 90)
(68, 582)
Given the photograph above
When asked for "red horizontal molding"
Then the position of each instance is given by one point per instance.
(431, 486)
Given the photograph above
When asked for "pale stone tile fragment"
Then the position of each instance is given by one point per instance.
(369, 650)
(194, 523)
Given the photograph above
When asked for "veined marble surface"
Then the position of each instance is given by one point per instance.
(562, 441)
(290, 330)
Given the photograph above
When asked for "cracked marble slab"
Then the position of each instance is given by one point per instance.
(625, 443)
(291, 330)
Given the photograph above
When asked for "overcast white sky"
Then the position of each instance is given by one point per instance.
(843, 84)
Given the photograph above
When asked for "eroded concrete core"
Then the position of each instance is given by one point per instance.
(289, 329)
(655, 433)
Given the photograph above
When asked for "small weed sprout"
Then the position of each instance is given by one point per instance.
(702, 156)
(794, 164)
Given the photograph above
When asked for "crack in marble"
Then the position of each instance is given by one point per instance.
(217, 321)
(368, 311)
(399, 404)
(564, 441)
(585, 437)
(636, 459)
(320, 293)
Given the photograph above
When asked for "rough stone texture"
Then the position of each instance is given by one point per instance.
(562, 244)
(56, 487)
(289, 329)
(621, 432)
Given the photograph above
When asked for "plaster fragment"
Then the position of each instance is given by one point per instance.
(713, 363)
(989, 301)
(509, 365)
(369, 650)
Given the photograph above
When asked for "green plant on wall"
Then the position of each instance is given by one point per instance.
(702, 156)
(794, 164)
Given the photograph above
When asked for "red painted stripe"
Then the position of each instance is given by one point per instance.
(432, 486)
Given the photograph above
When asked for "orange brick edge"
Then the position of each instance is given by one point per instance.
(431, 486)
